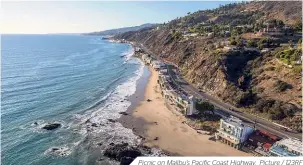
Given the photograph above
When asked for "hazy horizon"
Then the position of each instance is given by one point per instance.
(83, 17)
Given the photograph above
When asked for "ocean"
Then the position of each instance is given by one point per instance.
(79, 81)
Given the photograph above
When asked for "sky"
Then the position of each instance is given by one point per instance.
(40, 17)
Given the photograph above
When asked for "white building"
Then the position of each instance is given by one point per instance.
(183, 104)
(265, 50)
(147, 59)
(137, 49)
(163, 72)
(251, 49)
(287, 147)
(230, 48)
(156, 64)
(233, 131)
(211, 34)
(191, 110)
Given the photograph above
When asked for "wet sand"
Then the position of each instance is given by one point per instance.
(164, 129)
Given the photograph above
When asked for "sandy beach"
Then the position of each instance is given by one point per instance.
(164, 129)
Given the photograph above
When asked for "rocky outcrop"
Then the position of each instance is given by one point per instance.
(51, 126)
(124, 153)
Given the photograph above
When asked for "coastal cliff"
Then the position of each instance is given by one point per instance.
(253, 77)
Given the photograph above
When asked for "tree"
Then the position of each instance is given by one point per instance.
(260, 43)
(251, 43)
(232, 41)
(300, 43)
(203, 107)
(239, 42)
(298, 25)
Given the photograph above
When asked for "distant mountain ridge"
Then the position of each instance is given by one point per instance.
(123, 30)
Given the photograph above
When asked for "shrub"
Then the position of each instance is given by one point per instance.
(264, 105)
(281, 86)
(297, 69)
(203, 107)
(251, 43)
(245, 98)
(276, 112)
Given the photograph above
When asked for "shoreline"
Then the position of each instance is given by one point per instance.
(161, 128)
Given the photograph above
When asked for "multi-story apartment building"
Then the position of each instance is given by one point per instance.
(233, 131)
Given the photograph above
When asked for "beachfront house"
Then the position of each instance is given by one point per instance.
(287, 147)
(163, 65)
(261, 141)
(146, 59)
(191, 110)
(137, 49)
(233, 132)
(183, 104)
(163, 72)
(156, 64)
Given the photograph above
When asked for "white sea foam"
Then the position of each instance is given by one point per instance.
(129, 53)
(59, 151)
(115, 103)
(95, 122)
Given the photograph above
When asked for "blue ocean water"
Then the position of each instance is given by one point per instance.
(76, 80)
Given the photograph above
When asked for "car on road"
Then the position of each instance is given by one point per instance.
(231, 109)
(284, 129)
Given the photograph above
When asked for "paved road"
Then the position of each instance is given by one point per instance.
(247, 118)
(223, 108)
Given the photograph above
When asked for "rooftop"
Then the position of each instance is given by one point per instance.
(291, 144)
(281, 151)
(234, 121)
(262, 137)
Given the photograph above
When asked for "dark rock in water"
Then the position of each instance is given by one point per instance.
(51, 126)
(111, 144)
(148, 100)
(126, 160)
(121, 101)
(123, 153)
(94, 125)
(35, 123)
(99, 144)
(123, 113)
(111, 120)
(55, 149)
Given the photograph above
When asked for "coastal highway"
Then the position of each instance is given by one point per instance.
(224, 108)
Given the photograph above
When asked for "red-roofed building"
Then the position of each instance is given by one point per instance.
(261, 141)
(260, 138)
